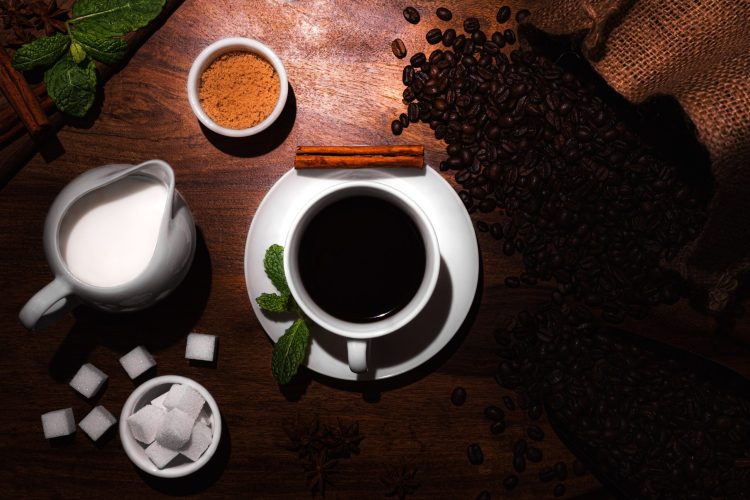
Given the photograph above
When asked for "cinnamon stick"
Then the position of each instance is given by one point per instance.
(20, 96)
(409, 156)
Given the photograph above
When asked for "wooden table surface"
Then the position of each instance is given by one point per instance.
(346, 90)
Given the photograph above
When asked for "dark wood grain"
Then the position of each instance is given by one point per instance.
(345, 90)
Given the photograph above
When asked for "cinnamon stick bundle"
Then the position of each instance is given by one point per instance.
(20, 96)
(410, 156)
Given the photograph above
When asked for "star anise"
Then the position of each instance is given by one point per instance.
(50, 16)
(345, 439)
(318, 472)
(400, 481)
(306, 438)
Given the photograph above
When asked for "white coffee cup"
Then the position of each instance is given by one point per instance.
(358, 335)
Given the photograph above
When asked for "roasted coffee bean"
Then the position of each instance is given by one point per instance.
(498, 39)
(474, 452)
(497, 427)
(478, 37)
(482, 226)
(522, 15)
(512, 282)
(458, 396)
(535, 432)
(396, 127)
(510, 482)
(399, 48)
(411, 15)
(484, 495)
(407, 76)
(413, 112)
(494, 413)
(519, 463)
(520, 447)
(561, 471)
(449, 36)
(444, 14)
(547, 474)
(471, 24)
(496, 230)
(418, 59)
(507, 400)
(534, 454)
(503, 14)
(559, 490)
(435, 35)
(535, 412)
(509, 36)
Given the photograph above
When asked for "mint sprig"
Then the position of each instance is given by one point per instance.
(93, 34)
(289, 351)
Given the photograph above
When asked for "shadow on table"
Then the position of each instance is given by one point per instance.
(202, 478)
(372, 389)
(155, 328)
(263, 142)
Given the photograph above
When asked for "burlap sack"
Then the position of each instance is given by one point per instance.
(699, 52)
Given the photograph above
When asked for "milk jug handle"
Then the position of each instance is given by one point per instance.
(49, 303)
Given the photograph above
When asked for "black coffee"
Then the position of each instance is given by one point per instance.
(361, 259)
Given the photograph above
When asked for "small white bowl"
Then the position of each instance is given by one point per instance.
(141, 396)
(217, 49)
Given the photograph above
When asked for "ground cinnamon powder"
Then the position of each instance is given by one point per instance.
(239, 90)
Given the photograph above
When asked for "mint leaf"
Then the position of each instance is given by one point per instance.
(289, 351)
(70, 86)
(273, 302)
(107, 18)
(106, 50)
(274, 266)
(77, 52)
(91, 72)
(42, 52)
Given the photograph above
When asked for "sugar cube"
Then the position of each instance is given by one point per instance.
(200, 347)
(97, 422)
(137, 361)
(186, 399)
(175, 430)
(160, 455)
(88, 380)
(199, 441)
(58, 423)
(159, 401)
(146, 422)
(204, 416)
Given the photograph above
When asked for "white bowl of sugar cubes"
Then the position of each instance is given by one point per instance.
(170, 426)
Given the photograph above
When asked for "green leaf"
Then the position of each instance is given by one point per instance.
(77, 52)
(289, 351)
(70, 86)
(42, 52)
(273, 302)
(91, 72)
(106, 50)
(107, 18)
(274, 266)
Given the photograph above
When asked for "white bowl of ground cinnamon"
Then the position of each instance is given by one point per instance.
(237, 87)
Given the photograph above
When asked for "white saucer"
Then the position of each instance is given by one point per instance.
(441, 318)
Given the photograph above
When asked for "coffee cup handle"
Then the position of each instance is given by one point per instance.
(357, 354)
(47, 305)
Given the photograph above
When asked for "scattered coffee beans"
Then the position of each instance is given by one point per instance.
(503, 14)
(458, 396)
(411, 15)
(474, 452)
(510, 482)
(435, 35)
(399, 49)
(444, 14)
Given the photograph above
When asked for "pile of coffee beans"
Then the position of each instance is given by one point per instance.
(584, 202)
(653, 424)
